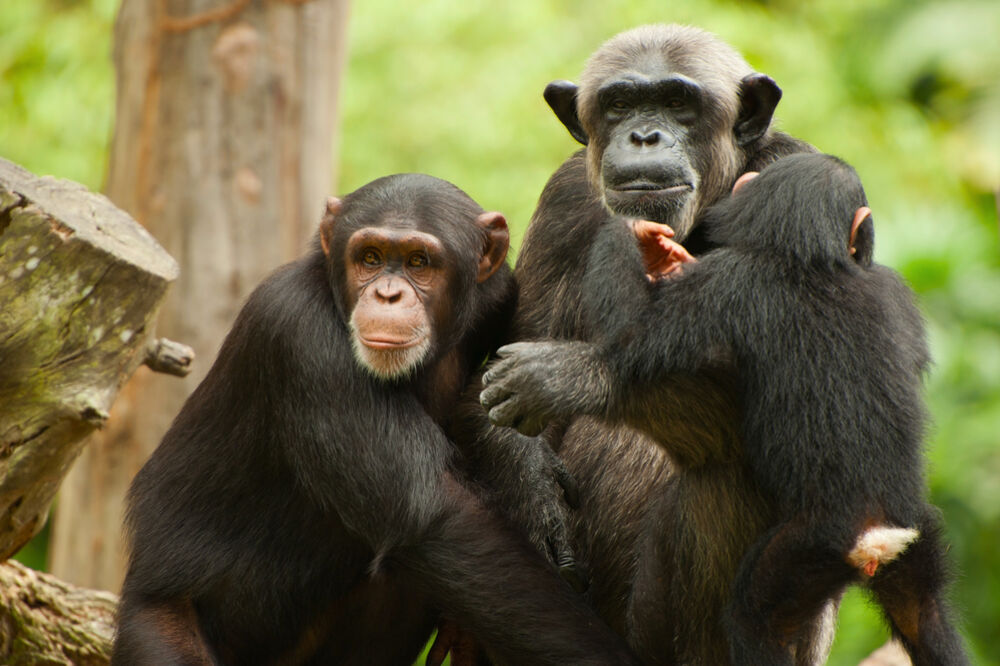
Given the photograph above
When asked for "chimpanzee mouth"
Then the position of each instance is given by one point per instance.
(387, 343)
(647, 188)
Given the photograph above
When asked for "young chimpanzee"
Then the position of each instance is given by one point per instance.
(828, 351)
(305, 506)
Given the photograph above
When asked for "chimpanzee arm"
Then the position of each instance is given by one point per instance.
(639, 332)
(524, 477)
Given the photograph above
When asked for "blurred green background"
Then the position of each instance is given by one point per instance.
(907, 91)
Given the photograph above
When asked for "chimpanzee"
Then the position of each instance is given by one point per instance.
(670, 117)
(305, 506)
(827, 350)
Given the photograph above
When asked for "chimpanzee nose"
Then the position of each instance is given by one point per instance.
(388, 290)
(651, 138)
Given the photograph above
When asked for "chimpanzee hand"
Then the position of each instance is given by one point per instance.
(526, 480)
(537, 493)
(662, 256)
(534, 383)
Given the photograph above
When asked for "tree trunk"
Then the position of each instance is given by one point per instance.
(80, 283)
(222, 149)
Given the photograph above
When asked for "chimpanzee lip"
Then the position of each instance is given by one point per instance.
(650, 187)
(391, 343)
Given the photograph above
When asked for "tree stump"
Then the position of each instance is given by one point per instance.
(80, 285)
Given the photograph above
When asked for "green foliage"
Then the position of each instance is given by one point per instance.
(908, 92)
(57, 86)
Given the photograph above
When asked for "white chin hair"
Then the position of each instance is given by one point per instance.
(391, 363)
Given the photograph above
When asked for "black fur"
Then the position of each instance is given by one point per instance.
(826, 353)
(301, 511)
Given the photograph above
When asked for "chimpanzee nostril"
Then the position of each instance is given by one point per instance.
(636, 139)
(653, 138)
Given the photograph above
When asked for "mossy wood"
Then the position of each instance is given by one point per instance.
(80, 285)
(46, 621)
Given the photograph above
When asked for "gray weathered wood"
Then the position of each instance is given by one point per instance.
(80, 283)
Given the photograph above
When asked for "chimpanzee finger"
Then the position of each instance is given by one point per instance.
(573, 573)
(497, 369)
(571, 491)
(515, 348)
(509, 414)
(562, 555)
(493, 396)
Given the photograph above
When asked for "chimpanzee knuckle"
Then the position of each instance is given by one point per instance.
(492, 396)
(500, 416)
(497, 372)
(512, 349)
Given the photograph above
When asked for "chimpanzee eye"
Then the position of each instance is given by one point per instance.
(371, 258)
(619, 105)
(675, 103)
(417, 260)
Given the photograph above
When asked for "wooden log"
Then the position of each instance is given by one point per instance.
(46, 621)
(80, 285)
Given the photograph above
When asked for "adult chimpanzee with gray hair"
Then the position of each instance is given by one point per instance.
(670, 117)
(827, 350)
(306, 506)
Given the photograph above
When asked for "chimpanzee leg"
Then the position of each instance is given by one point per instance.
(783, 585)
(479, 569)
(911, 592)
(163, 633)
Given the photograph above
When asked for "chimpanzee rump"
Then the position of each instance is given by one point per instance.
(306, 507)
(827, 351)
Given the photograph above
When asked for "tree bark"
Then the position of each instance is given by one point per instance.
(222, 149)
(44, 621)
(80, 284)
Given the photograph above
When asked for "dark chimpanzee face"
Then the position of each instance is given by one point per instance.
(665, 113)
(647, 119)
(404, 269)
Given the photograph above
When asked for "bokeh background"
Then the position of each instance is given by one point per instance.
(907, 91)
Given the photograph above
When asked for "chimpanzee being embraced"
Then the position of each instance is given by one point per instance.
(828, 351)
(305, 506)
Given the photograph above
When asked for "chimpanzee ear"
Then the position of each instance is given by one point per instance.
(862, 241)
(561, 96)
(329, 221)
(496, 245)
(759, 95)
